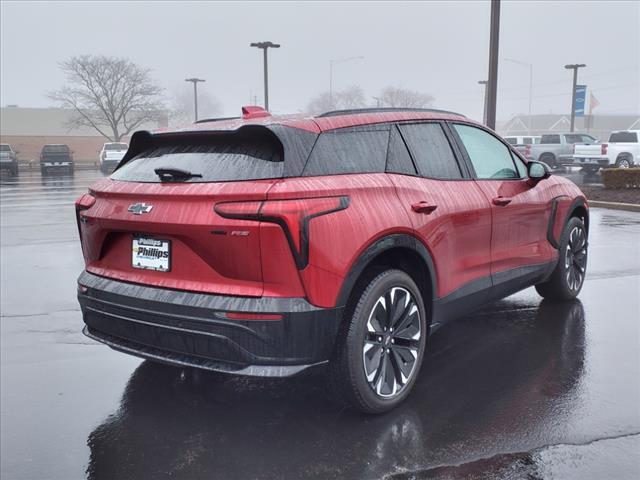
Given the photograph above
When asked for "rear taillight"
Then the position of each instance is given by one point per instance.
(292, 215)
(527, 150)
(85, 202)
(603, 149)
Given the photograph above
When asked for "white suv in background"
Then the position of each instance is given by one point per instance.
(110, 156)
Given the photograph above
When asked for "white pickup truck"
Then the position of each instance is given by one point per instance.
(622, 151)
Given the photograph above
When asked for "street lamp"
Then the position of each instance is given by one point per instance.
(195, 93)
(265, 46)
(530, 65)
(331, 64)
(484, 111)
(574, 67)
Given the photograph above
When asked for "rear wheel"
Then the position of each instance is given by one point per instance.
(624, 162)
(567, 278)
(380, 345)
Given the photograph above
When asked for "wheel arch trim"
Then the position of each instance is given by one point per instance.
(375, 249)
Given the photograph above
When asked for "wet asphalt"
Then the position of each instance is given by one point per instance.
(520, 389)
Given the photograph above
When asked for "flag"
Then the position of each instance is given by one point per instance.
(593, 102)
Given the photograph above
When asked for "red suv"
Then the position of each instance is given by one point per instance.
(267, 245)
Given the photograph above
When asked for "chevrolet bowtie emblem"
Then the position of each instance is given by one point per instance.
(140, 208)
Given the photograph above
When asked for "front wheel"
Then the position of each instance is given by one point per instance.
(567, 278)
(381, 344)
(624, 162)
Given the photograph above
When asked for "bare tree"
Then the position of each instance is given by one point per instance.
(350, 97)
(182, 108)
(403, 98)
(112, 95)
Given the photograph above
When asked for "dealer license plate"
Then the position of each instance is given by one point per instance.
(151, 254)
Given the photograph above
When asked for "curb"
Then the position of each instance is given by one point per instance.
(629, 207)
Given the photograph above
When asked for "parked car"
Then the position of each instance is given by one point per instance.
(622, 151)
(56, 158)
(272, 245)
(110, 156)
(8, 159)
(556, 149)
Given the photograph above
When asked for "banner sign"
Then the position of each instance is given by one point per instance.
(581, 95)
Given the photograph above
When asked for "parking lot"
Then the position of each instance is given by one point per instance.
(520, 389)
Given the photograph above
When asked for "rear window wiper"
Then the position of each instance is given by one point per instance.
(175, 174)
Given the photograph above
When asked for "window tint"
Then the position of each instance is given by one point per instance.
(227, 158)
(398, 158)
(116, 146)
(550, 139)
(624, 137)
(491, 158)
(353, 151)
(573, 138)
(512, 140)
(431, 151)
(527, 140)
(5, 148)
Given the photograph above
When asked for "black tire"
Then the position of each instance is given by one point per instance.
(590, 170)
(567, 278)
(549, 159)
(362, 343)
(624, 162)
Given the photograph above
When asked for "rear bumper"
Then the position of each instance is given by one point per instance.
(601, 161)
(191, 329)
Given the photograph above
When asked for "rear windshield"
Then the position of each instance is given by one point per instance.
(573, 138)
(227, 157)
(116, 146)
(5, 148)
(511, 140)
(623, 137)
(55, 149)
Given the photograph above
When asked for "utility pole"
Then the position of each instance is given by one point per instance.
(195, 94)
(265, 46)
(494, 43)
(484, 101)
(574, 67)
(331, 64)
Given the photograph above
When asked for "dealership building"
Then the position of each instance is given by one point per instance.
(28, 129)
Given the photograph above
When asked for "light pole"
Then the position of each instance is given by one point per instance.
(265, 46)
(195, 94)
(530, 65)
(331, 64)
(494, 43)
(574, 67)
(484, 110)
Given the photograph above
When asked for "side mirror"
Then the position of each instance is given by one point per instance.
(538, 171)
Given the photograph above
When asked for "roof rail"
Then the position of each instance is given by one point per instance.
(221, 119)
(352, 111)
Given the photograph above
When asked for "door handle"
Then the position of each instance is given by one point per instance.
(423, 207)
(501, 201)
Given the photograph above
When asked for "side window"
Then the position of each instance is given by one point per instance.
(550, 138)
(491, 158)
(354, 151)
(520, 166)
(398, 158)
(431, 151)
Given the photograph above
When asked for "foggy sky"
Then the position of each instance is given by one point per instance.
(437, 48)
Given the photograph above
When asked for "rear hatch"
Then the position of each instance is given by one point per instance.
(55, 154)
(153, 221)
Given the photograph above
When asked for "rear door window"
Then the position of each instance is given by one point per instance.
(398, 158)
(430, 150)
(221, 158)
(551, 138)
(348, 151)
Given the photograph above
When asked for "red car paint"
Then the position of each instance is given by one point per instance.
(477, 228)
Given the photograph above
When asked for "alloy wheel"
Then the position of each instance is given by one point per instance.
(576, 258)
(392, 341)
